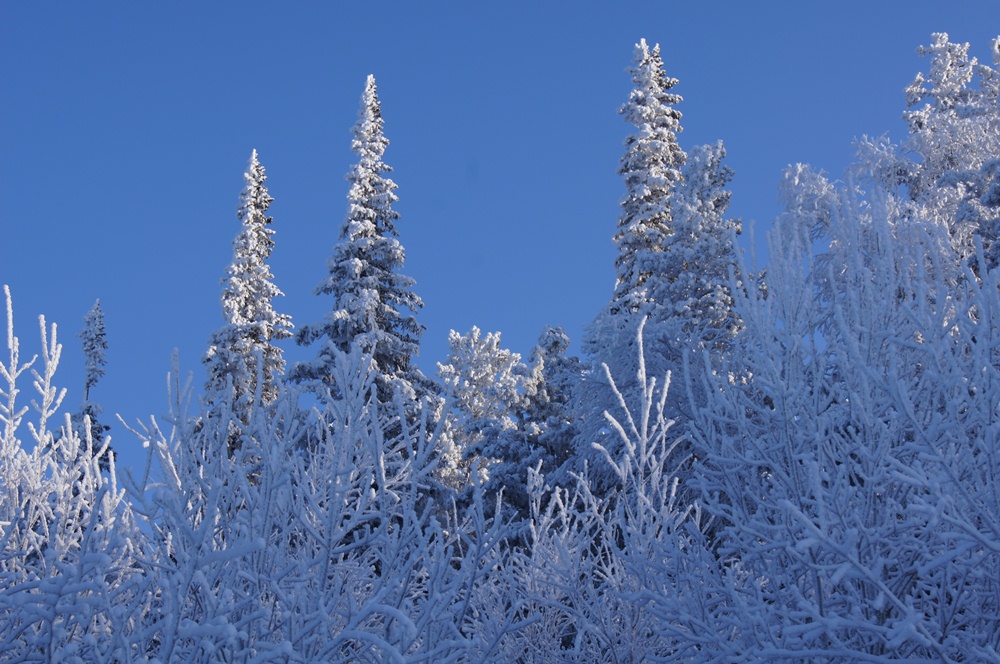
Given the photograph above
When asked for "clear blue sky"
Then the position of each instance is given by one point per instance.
(125, 128)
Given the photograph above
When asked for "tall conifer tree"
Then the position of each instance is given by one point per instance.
(242, 351)
(651, 169)
(374, 305)
(672, 270)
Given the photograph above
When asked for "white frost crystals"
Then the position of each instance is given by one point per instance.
(69, 586)
(818, 484)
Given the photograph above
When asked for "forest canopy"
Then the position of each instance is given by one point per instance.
(790, 462)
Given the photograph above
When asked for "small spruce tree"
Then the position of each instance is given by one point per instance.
(484, 382)
(545, 421)
(693, 289)
(95, 345)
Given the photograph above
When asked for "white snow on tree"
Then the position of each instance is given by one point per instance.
(545, 421)
(651, 169)
(675, 253)
(949, 161)
(242, 358)
(373, 303)
(692, 287)
(484, 382)
(507, 418)
(95, 345)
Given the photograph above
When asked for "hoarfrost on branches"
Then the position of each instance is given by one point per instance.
(795, 463)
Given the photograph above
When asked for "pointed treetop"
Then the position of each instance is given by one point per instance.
(369, 99)
(369, 143)
(651, 91)
(254, 199)
(86, 421)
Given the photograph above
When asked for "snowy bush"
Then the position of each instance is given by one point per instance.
(68, 588)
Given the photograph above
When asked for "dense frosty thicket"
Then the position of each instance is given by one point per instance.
(795, 463)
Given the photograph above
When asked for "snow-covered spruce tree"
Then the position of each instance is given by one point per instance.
(548, 418)
(651, 169)
(692, 287)
(242, 352)
(675, 253)
(70, 585)
(695, 325)
(95, 345)
(373, 303)
(484, 383)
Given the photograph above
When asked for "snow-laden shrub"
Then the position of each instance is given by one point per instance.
(69, 589)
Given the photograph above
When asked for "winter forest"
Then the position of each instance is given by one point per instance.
(795, 461)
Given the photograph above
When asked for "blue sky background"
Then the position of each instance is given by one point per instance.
(125, 129)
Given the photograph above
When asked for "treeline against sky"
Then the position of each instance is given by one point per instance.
(797, 462)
